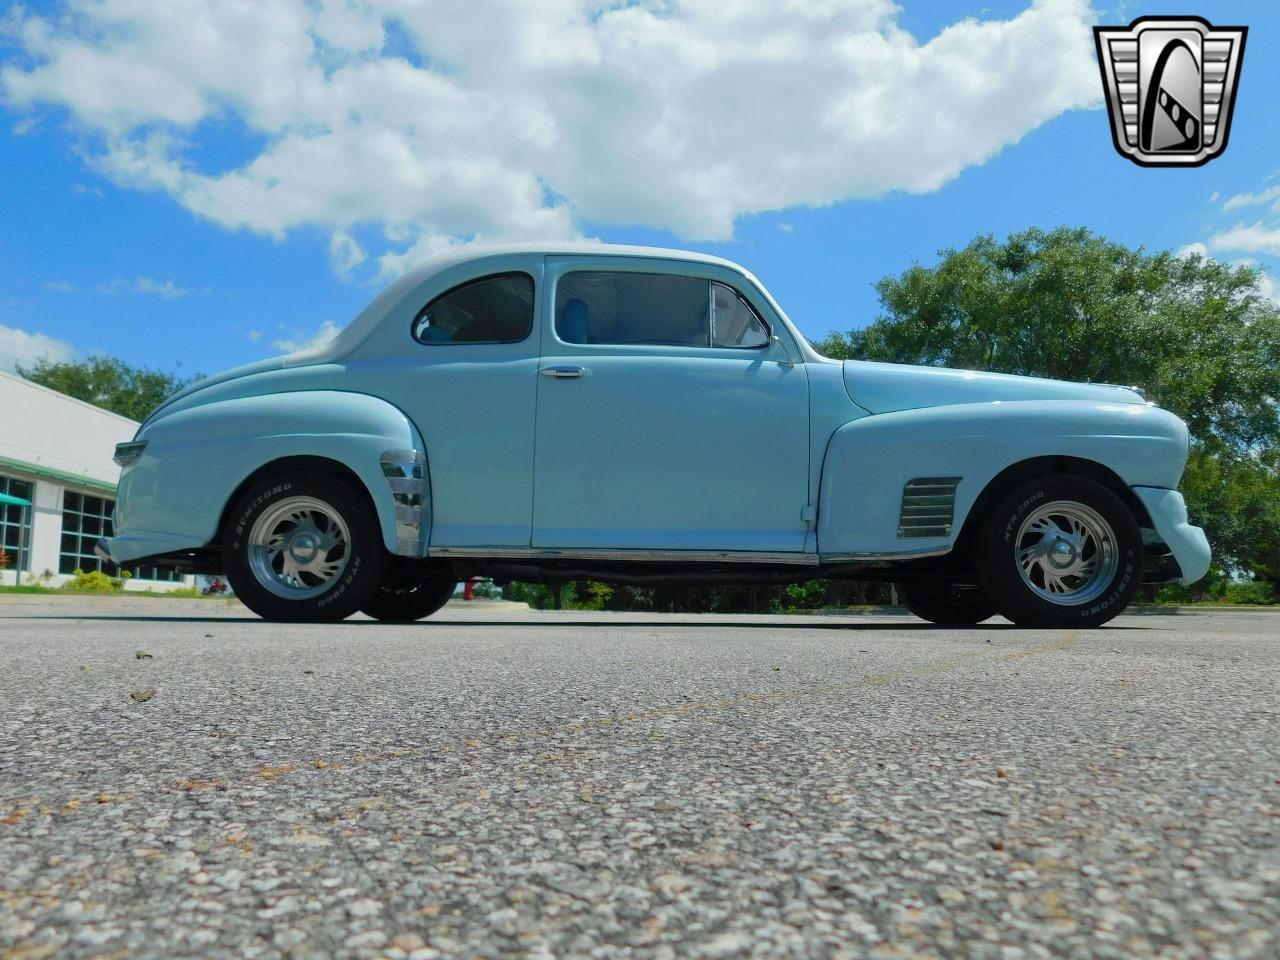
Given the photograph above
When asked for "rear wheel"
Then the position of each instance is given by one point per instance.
(946, 604)
(407, 597)
(1060, 551)
(303, 547)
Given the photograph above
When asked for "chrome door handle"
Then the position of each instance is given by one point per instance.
(564, 372)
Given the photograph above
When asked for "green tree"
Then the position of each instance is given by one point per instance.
(1197, 335)
(109, 383)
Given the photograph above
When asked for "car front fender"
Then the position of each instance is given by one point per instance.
(870, 461)
(173, 497)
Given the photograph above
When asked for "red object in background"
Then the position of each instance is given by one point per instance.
(469, 589)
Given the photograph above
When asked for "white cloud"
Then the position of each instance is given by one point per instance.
(344, 253)
(1251, 199)
(350, 26)
(300, 341)
(1257, 238)
(165, 289)
(392, 265)
(519, 120)
(1268, 287)
(20, 347)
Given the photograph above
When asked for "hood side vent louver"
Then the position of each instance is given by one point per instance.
(928, 507)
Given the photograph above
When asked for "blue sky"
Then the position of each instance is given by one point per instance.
(109, 243)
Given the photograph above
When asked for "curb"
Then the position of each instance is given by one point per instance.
(1136, 609)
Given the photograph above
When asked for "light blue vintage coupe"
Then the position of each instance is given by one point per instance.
(645, 416)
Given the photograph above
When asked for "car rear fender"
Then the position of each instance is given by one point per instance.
(198, 459)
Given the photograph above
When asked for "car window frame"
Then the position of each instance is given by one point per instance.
(533, 311)
(561, 276)
(711, 307)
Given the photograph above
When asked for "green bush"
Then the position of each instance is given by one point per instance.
(1252, 592)
(810, 595)
(574, 595)
(95, 581)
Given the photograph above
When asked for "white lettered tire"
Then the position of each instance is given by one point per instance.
(304, 547)
(1059, 551)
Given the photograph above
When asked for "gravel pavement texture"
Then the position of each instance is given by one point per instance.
(179, 779)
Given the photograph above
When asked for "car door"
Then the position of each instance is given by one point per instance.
(467, 378)
(666, 418)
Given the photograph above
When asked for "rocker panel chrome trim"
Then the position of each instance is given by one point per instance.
(590, 553)
(694, 556)
(908, 555)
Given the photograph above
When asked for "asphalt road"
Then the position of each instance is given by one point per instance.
(491, 784)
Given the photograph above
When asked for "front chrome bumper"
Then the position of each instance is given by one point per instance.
(1189, 545)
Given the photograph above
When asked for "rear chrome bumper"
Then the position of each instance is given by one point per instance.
(1188, 544)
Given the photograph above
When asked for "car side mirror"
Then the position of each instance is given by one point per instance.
(776, 344)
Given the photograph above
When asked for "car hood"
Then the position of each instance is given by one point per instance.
(235, 373)
(886, 387)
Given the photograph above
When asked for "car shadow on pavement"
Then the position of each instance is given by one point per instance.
(703, 625)
(773, 624)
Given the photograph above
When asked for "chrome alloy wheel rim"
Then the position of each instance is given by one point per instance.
(298, 548)
(1067, 553)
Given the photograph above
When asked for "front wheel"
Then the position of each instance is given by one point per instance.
(303, 547)
(946, 604)
(1060, 551)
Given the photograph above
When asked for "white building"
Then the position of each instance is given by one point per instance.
(55, 454)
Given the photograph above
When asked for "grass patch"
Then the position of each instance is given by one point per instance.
(181, 593)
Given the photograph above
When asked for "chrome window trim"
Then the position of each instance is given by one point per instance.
(768, 330)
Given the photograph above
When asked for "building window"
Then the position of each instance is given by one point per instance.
(15, 524)
(85, 518)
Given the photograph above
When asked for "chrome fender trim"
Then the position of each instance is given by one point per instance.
(406, 474)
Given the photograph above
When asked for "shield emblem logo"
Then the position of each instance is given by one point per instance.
(1170, 84)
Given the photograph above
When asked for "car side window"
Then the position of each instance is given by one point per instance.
(628, 309)
(632, 308)
(733, 322)
(496, 309)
